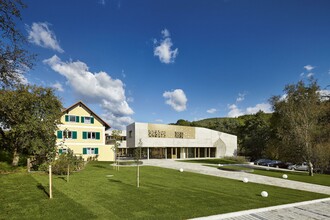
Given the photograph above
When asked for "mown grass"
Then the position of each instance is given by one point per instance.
(99, 192)
(320, 179)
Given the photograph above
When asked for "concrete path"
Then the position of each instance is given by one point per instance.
(316, 209)
(199, 168)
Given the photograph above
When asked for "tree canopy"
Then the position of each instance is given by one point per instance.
(14, 58)
(298, 122)
(29, 116)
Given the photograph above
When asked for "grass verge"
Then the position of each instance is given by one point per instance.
(320, 179)
(100, 192)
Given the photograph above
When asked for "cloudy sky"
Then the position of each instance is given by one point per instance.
(160, 61)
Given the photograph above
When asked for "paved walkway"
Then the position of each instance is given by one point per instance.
(199, 168)
(316, 209)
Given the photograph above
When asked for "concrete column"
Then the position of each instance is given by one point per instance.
(148, 153)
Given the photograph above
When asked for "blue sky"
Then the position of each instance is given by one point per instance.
(160, 61)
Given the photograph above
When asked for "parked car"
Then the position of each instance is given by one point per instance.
(259, 161)
(301, 167)
(262, 161)
(280, 164)
(274, 163)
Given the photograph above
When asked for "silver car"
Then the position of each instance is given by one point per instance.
(300, 167)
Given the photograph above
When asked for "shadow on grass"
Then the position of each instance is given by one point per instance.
(62, 177)
(100, 166)
(41, 187)
(115, 181)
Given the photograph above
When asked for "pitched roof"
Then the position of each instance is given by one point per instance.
(107, 126)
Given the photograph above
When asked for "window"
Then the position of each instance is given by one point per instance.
(71, 118)
(130, 134)
(91, 135)
(178, 134)
(67, 134)
(87, 120)
(157, 133)
(63, 151)
(90, 150)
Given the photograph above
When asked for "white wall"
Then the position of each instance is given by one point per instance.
(226, 143)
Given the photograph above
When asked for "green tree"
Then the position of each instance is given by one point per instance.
(29, 116)
(253, 135)
(297, 122)
(14, 59)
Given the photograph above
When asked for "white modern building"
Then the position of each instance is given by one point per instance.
(179, 142)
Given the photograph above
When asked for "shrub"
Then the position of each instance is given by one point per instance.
(60, 165)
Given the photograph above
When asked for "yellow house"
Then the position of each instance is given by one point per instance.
(83, 131)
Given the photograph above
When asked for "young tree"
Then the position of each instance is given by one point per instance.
(137, 157)
(297, 121)
(116, 136)
(29, 116)
(14, 59)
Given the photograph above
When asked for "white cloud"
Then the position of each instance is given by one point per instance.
(163, 49)
(325, 94)
(234, 111)
(95, 88)
(58, 86)
(176, 99)
(241, 97)
(265, 107)
(211, 111)
(40, 35)
(309, 75)
(309, 67)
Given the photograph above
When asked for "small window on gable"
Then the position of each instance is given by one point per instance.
(72, 118)
(87, 120)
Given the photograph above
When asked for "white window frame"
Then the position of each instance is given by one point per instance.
(91, 135)
(90, 150)
(72, 117)
(87, 120)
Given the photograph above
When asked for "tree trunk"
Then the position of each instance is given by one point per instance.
(15, 158)
(138, 176)
(310, 168)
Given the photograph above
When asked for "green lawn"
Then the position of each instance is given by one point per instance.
(164, 194)
(320, 179)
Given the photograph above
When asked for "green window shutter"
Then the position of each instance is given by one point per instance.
(77, 118)
(97, 135)
(60, 151)
(82, 119)
(92, 120)
(67, 118)
(84, 135)
(96, 150)
(74, 135)
(59, 134)
(84, 150)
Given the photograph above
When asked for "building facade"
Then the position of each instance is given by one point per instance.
(83, 132)
(179, 142)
